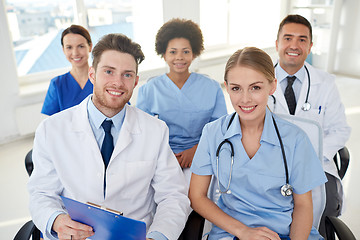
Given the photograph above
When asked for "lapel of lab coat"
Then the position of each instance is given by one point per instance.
(314, 80)
(281, 105)
(129, 128)
(84, 134)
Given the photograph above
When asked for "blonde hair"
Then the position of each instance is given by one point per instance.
(253, 58)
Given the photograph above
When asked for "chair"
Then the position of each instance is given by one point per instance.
(315, 134)
(193, 228)
(28, 230)
(334, 226)
(342, 159)
(29, 166)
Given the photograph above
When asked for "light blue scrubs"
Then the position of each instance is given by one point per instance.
(185, 110)
(255, 197)
(64, 92)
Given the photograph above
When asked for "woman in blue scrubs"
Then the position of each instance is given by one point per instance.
(185, 100)
(71, 88)
(251, 203)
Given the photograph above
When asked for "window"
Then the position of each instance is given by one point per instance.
(36, 27)
(240, 22)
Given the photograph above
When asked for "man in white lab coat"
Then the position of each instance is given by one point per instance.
(142, 178)
(310, 93)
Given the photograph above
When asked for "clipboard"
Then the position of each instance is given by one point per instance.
(107, 224)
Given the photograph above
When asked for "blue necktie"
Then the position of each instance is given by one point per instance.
(108, 143)
(290, 95)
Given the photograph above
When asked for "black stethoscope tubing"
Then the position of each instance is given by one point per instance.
(286, 190)
(306, 106)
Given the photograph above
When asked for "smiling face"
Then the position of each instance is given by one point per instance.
(293, 46)
(178, 55)
(76, 49)
(114, 81)
(249, 91)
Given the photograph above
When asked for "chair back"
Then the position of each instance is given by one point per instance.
(29, 166)
(315, 133)
(194, 227)
(342, 160)
(334, 226)
(28, 230)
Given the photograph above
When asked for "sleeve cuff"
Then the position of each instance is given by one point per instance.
(156, 236)
(49, 232)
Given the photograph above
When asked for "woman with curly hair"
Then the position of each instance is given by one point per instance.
(185, 100)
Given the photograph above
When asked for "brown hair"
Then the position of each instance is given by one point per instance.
(76, 29)
(117, 42)
(179, 28)
(295, 19)
(253, 58)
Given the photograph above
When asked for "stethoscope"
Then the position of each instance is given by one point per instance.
(306, 106)
(286, 190)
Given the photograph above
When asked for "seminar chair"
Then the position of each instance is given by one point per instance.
(193, 228)
(27, 231)
(29, 166)
(315, 134)
(342, 160)
(334, 226)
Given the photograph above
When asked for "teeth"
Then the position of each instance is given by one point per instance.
(293, 54)
(77, 59)
(114, 93)
(247, 108)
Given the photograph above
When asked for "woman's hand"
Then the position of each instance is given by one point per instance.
(185, 157)
(258, 233)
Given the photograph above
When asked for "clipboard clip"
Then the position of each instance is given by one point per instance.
(104, 208)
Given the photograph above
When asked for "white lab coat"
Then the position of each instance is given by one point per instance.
(326, 109)
(143, 178)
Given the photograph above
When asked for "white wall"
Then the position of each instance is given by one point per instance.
(9, 87)
(347, 55)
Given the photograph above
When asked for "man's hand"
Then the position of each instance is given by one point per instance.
(69, 229)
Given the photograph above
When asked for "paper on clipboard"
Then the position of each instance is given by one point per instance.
(107, 225)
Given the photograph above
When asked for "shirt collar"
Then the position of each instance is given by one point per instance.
(268, 135)
(281, 74)
(97, 117)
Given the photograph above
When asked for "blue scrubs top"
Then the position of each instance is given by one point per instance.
(255, 197)
(185, 110)
(64, 92)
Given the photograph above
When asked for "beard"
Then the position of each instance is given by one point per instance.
(108, 105)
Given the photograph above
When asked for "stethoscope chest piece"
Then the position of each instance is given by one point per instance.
(306, 106)
(228, 191)
(286, 190)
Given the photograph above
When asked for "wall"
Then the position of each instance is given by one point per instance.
(8, 79)
(347, 58)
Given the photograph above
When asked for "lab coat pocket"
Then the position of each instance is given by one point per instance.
(138, 178)
(316, 113)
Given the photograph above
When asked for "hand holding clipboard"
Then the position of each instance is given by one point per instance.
(107, 224)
